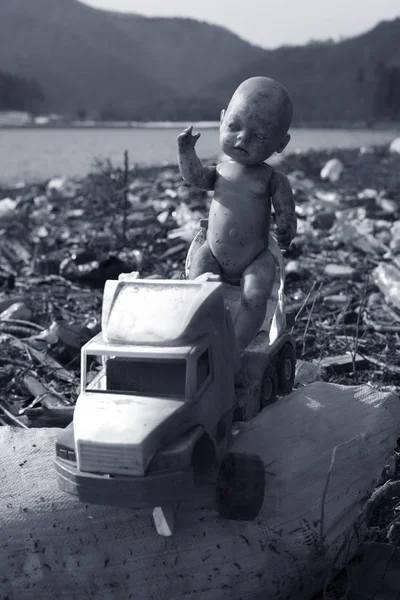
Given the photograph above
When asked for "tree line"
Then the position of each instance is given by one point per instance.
(19, 93)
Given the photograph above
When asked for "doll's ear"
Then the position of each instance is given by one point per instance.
(284, 143)
(222, 115)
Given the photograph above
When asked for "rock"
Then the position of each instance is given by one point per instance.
(368, 194)
(324, 220)
(295, 271)
(395, 146)
(61, 187)
(331, 198)
(390, 207)
(163, 217)
(332, 170)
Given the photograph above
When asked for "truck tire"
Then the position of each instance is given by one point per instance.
(240, 486)
(269, 386)
(286, 369)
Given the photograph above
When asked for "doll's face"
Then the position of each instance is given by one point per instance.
(251, 128)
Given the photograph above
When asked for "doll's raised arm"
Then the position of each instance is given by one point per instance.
(189, 163)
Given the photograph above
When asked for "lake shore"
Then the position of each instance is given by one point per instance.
(32, 155)
(66, 124)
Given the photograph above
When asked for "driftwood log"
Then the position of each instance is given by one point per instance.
(323, 448)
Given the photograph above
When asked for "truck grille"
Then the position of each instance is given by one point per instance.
(96, 458)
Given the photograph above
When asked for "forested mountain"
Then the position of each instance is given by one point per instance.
(109, 65)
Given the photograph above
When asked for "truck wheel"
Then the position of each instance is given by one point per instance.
(269, 386)
(240, 486)
(286, 369)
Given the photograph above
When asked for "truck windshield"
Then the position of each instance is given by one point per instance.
(161, 378)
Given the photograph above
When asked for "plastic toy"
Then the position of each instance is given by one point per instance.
(180, 361)
(153, 419)
(254, 126)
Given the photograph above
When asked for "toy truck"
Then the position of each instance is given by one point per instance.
(155, 411)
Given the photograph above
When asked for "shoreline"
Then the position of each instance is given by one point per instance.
(283, 162)
(94, 125)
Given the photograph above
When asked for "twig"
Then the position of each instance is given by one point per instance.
(380, 327)
(299, 306)
(45, 360)
(381, 364)
(125, 195)
(358, 323)
(13, 418)
(23, 323)
(328, 477)
(48, 397)
(305, 301)
(309, 319)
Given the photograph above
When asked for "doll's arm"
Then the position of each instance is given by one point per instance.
(190, 166)
(283, 203)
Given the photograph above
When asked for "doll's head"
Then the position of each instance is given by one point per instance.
(257, 120)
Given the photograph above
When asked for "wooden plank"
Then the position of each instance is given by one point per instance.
(322, 442)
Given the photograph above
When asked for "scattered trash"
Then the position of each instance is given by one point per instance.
(60, 187)
(395, 146)
(307, 372)
(339, 271)
(346, 363)
(87, 268)
(387, 278)
(7, 210)
(332, 170)
(64, 240)
(18, 310)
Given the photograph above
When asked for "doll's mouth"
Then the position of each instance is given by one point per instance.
(241, 149)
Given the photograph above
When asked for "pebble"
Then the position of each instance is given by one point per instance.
(324, 220)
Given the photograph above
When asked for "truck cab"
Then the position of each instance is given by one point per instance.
(157, 394)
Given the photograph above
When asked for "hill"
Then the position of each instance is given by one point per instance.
(108, 62)
(125, 66)
(356, 79)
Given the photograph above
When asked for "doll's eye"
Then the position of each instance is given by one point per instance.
(259, 136)
(232, 126)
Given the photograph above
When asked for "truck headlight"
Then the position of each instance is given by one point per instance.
(66, 454)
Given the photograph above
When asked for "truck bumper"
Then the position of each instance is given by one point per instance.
(154, 489)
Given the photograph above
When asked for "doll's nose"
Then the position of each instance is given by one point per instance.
(241, 138)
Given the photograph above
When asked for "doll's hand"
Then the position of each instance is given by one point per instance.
(187, 141)
(284, 239)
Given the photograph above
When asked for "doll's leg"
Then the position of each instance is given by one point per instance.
(204, 261)
(257, 283)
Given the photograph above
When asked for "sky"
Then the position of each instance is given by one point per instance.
(270, 23)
